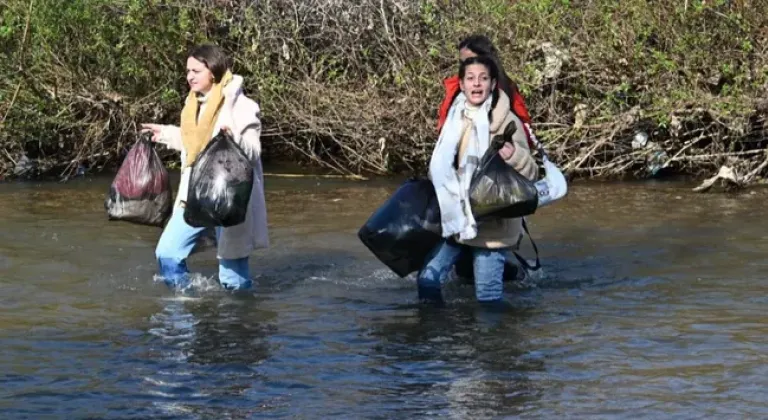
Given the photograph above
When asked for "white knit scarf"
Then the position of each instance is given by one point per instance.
(451, 185)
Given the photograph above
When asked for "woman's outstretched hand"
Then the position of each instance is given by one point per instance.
(154, 129)
(507, 150)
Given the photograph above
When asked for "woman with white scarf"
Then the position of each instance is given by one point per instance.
(479, 113)
(215, 102)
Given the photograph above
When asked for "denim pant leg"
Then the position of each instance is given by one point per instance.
(436, 270)
(173, 248)
(489, 274)
(233, 273)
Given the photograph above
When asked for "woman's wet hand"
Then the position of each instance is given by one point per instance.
(507, 150)
(154, 129)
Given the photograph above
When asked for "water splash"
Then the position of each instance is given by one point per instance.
(198, 284)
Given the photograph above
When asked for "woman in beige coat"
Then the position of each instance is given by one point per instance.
(479, 113)
(215, 102)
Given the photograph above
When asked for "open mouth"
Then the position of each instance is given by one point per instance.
(476, 93)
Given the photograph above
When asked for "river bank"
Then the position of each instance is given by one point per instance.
(293, 171)
(355, 88)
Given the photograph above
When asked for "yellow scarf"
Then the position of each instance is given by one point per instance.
(197, 132)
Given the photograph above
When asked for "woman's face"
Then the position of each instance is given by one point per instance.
(200, 79)
(477, 84)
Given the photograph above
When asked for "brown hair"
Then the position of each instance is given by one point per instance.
(214, 58)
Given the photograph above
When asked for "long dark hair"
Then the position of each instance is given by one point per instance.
(483, 46)
(214, 58)
(490, 64)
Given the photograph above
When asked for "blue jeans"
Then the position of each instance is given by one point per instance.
(175, 245)
(488, 270)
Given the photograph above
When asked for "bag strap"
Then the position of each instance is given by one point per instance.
(523, 262)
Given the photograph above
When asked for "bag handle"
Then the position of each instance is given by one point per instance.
(523, 262)
(146, 138)
(536, 142)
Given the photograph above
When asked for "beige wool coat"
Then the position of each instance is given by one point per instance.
(242, 115)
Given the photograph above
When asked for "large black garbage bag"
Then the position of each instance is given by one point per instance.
(141, 190)
(499, 191)
(406, 228)
(219, 185)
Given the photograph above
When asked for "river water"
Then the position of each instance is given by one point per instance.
(652, 305)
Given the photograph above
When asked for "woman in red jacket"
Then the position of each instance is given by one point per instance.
(480, 45)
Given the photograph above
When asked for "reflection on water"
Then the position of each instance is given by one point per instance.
(210, 346)
(651, 306)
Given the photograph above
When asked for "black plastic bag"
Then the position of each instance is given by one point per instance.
(141, 190)
(406, 228)
(498, 190)
(219, 185)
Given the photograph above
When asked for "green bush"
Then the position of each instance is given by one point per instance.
(354, 85)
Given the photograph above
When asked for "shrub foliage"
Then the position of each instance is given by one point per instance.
(353, 86)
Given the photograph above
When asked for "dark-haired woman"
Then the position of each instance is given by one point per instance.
(215, 102)
(473, 46)
(478, 113)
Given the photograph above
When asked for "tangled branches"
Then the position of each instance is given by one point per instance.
(615, 89)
